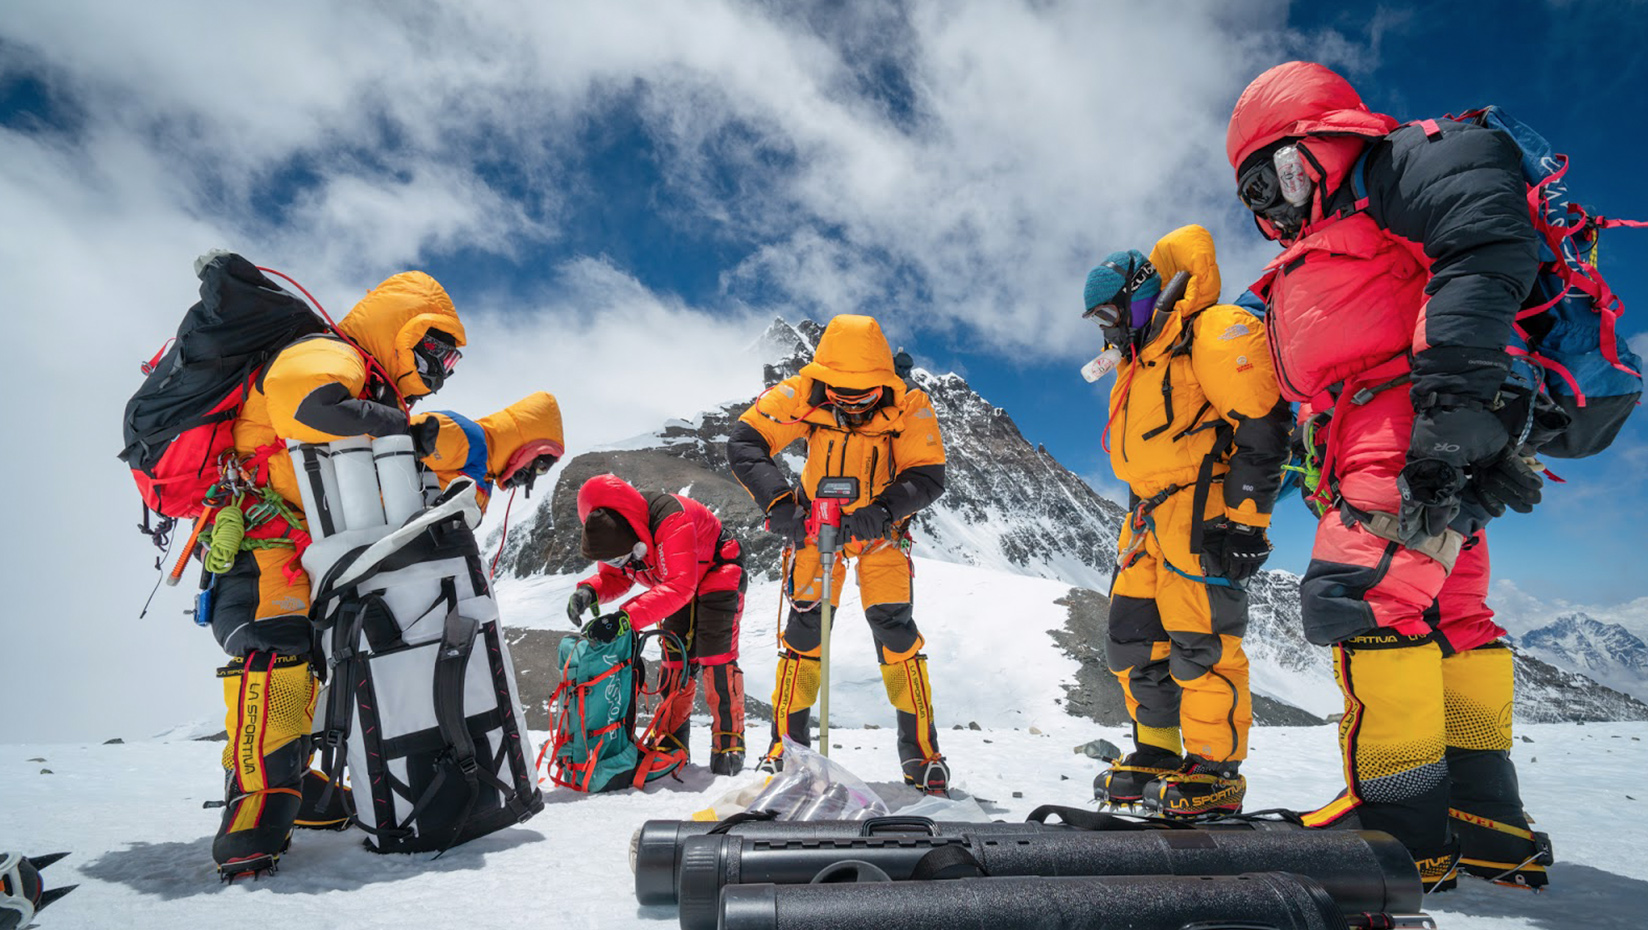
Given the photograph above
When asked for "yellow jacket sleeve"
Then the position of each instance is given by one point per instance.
(919, 441)
(770, 424)
(312, 389)
(777, 414)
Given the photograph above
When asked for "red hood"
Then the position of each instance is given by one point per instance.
(1295, 100)
(613, 493)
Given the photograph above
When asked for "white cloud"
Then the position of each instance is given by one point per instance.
(1031, 139)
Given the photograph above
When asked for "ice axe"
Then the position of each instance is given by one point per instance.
(824, 527)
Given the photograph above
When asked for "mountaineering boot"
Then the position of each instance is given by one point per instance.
(1439, 868)
(930, 775)
(727, 754)
(1124, 782)
(727, 762)
(318, 811)
(911, 695)
(1503, 853)
(270, 701)
(793, 695)
(1199, 787)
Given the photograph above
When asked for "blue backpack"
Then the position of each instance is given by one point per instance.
(1576, 379)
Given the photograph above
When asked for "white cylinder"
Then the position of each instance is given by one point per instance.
(357, 483)
(317, 487)
(398, 477)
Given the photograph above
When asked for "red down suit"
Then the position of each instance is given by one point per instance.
(1394, 303)
(694, 577)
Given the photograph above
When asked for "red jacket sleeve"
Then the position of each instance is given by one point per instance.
(675, 564)
(609, 583)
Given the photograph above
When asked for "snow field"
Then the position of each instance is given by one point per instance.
(131, 814)
(141, 844)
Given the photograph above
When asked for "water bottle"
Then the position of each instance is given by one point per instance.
(1103, 365)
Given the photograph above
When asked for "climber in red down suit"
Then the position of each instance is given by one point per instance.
(694, 573)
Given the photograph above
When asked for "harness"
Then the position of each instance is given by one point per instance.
(1140, 521)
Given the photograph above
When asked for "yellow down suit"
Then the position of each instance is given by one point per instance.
(897, 455)
(1199, 435)
(316, 390)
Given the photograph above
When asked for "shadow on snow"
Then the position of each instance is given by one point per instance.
(317, 862)
(1579, 896)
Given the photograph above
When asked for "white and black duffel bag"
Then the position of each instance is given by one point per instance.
(421, 689)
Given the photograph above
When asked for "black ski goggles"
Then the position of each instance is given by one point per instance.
(441, 352)
(1260, 188)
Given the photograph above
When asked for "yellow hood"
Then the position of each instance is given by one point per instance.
(394, 316)
(1189, 248)
(854, 354)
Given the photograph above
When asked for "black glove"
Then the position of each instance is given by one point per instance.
(787, 519)
(872, 521)
(1430, 499)
(582, 599)
(425, 433)
(529, 473)
(607, 627)
(1508, 481)
(1237, 549)
(1445, 441)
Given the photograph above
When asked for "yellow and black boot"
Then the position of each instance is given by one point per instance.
(1159, 752)
(1200, 787)
(324, 809)
(793, 696)
(911, 695)
(270, 701)
(1496, 841)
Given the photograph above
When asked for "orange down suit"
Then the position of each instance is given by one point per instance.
(897, 454)
(1210, 448)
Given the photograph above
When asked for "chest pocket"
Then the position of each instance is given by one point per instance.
(865, 456)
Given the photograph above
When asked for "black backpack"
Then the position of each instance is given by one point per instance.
(179, 422)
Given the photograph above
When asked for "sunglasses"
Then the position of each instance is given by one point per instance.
(853, 401)
(1106, 315)
(444, 353)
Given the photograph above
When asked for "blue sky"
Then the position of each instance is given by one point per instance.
(619, 196)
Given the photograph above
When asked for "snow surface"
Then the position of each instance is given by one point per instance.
(140, 842)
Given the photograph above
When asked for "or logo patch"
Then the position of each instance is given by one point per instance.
(1242, 364)
(288, 602)
(786, 390)
(1236, 329)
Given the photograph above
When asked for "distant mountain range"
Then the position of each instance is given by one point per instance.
(1010, 506)
(1609, 644)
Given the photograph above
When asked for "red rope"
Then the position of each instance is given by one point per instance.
(370, 361)
(1132, 366)
(502, 537)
